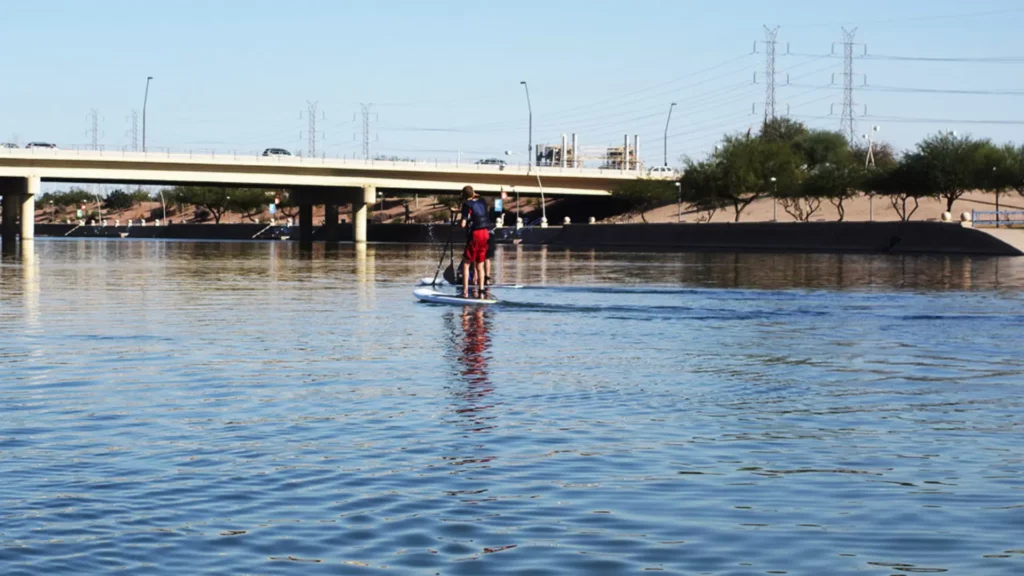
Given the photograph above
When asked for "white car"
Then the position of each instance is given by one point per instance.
(41, 145)
(663, 171)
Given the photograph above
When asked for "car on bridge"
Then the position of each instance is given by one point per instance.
(41, 145)
(276, 152)
(665, 172)
(493, 162)
(8, 145)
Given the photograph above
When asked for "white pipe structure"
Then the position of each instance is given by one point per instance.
(636, 152)
(575, 152)
(563, 151)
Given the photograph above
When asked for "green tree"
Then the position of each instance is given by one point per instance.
(783, 129)
(213, 200)
(701, 185)
(119, 201)
(904, 184)
(140, 196)
(832, 172)
(644, 195)
(746, 166)
(951, 165)
(249, 202)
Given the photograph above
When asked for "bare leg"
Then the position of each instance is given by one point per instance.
(465, 278)
(480, 277)
(487, 268)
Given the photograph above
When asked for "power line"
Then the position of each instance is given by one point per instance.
(944, 121)
(900, 58)
(913, 90)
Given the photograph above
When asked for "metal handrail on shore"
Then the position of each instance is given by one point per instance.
(997, 218)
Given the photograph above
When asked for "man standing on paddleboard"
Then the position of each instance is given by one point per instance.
(477, 224)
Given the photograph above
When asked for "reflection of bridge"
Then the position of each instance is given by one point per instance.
(312, 181)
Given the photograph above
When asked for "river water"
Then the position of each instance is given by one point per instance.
(253, 408)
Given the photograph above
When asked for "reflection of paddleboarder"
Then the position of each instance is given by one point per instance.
(475, 344)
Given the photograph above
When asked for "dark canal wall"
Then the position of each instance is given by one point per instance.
(846, 237)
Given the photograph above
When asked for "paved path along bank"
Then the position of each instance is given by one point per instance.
(837, 237)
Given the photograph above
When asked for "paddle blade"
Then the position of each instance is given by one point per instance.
(449, 275)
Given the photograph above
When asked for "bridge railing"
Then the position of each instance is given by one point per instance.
(998, 218)
(252, 157)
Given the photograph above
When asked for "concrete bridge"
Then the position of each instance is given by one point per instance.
(312, 181)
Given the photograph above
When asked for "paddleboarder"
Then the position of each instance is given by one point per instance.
(477, 224)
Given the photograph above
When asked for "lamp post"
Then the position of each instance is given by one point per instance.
(775, 199)
(163, 205)
(529, 142)
(145, 100)
(997, 194)
(869, 161)
(679, 202)
(667, 120)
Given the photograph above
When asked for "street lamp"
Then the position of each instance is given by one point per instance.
(775, 199)
(679, 201)
(869, 160)
(145, 100)
(163, 205)
(667, 120)
(529, 144)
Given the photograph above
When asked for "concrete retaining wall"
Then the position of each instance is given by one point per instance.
(867, 237)
(847, 237)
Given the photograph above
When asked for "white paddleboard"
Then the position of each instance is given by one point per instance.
(428, 281)
(438, 297)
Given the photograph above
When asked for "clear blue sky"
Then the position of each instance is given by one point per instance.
(443, 75)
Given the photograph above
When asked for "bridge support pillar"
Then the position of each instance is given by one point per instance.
(28, 208)
(12, 190)
(359, 212)
(305, 222)
(330, 232)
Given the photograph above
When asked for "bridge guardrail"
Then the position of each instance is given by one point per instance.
(168, 154)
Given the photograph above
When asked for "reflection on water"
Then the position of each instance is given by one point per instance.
(236, 407)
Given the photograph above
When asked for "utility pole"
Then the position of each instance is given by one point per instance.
(529, 141)
(95, 131)
(770, 36)
(846, 125)
(145, 100)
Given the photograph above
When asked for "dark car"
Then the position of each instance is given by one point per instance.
(276, 152)
(493, 162)
(40, 145)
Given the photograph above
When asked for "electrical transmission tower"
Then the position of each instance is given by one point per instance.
(95, 131)
(770, 36)
(366, 108)
(311, 130)
(846, 125)
(134, 132)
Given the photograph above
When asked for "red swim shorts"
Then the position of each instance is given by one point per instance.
(476, 248)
